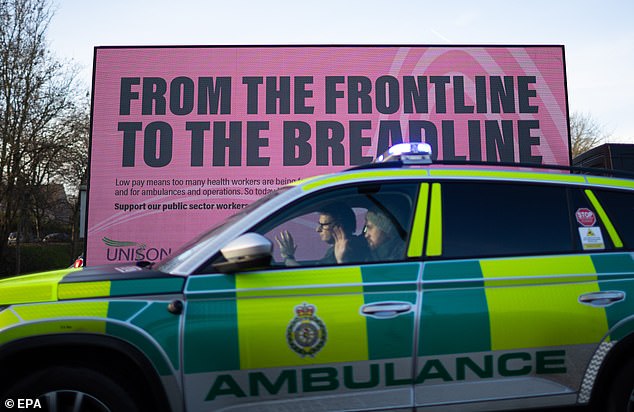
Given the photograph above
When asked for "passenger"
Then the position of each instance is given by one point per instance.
(336, 227)
(383, 237)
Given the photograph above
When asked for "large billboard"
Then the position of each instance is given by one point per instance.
(183, 137)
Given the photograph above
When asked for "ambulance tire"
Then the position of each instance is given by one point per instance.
(621, 393)
(63, 388)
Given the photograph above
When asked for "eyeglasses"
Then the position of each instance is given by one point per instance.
(322, 226)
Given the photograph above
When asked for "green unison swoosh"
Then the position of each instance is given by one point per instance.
(119, 243)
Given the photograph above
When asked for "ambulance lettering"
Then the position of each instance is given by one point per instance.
(324, 379)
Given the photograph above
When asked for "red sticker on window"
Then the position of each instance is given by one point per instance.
(585, 217)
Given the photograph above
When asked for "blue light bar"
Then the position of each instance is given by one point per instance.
(408, 153)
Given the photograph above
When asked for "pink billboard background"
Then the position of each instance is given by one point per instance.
(166, 163)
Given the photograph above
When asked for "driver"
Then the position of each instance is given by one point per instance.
(336, 227)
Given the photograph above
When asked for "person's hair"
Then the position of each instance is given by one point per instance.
(381, 221)
(389, 217)
(341, 214)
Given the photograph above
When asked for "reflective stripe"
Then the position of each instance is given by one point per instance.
(616, 239)
(563, 178)
(52, 327)
(304, 281)
(415, 248)
(606, 181)
(83, 290)
(53, 315)
(39, 287)
(57, 310)
(541, 270)
(301, 181)
(7, 318)
(328, 180)
(324, 180)
(434, 239)
(352, 177)
(79, 290)
(593, 370)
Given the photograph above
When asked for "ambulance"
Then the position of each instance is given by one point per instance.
(400, 285)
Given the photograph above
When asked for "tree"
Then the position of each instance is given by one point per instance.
(72, 167)
(73, 170)
(58, 159)
(585, 133)
(38, 101)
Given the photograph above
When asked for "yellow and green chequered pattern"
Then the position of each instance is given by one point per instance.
(467, 306)
(504, 304)
(245, 317)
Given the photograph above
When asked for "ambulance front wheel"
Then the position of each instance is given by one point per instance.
(62, 388)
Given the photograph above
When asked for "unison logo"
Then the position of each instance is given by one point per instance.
(128, 251)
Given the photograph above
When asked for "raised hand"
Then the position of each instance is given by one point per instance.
(341, 243)
(286, 244)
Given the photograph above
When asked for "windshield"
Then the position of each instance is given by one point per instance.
(200, 241)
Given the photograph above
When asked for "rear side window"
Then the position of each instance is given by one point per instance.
(498, 219)
(619, 207)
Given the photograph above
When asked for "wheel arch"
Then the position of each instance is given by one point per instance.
(617, 356)
(109, 355)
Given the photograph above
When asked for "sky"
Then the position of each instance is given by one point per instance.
(598, 37)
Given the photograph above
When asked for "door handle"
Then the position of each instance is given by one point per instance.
(386, 309)
(602, 299)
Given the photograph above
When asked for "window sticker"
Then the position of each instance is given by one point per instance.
(591, 238)
(585, 217)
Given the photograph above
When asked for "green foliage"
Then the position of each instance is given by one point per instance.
(36, 258)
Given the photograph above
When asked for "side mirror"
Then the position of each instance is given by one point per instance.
(250, 251)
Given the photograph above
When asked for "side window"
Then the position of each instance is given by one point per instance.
(366, 223)
(619, 206)
(499, 219)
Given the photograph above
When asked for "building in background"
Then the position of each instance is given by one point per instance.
(615, 156)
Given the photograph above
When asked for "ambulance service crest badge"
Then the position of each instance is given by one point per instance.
(306, 333)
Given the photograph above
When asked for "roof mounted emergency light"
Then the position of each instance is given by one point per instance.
(408, 153)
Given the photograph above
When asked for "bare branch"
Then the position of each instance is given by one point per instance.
(43, 117)
(585, 133)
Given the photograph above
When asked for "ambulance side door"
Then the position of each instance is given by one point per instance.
(318, 336)
(507, 267)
